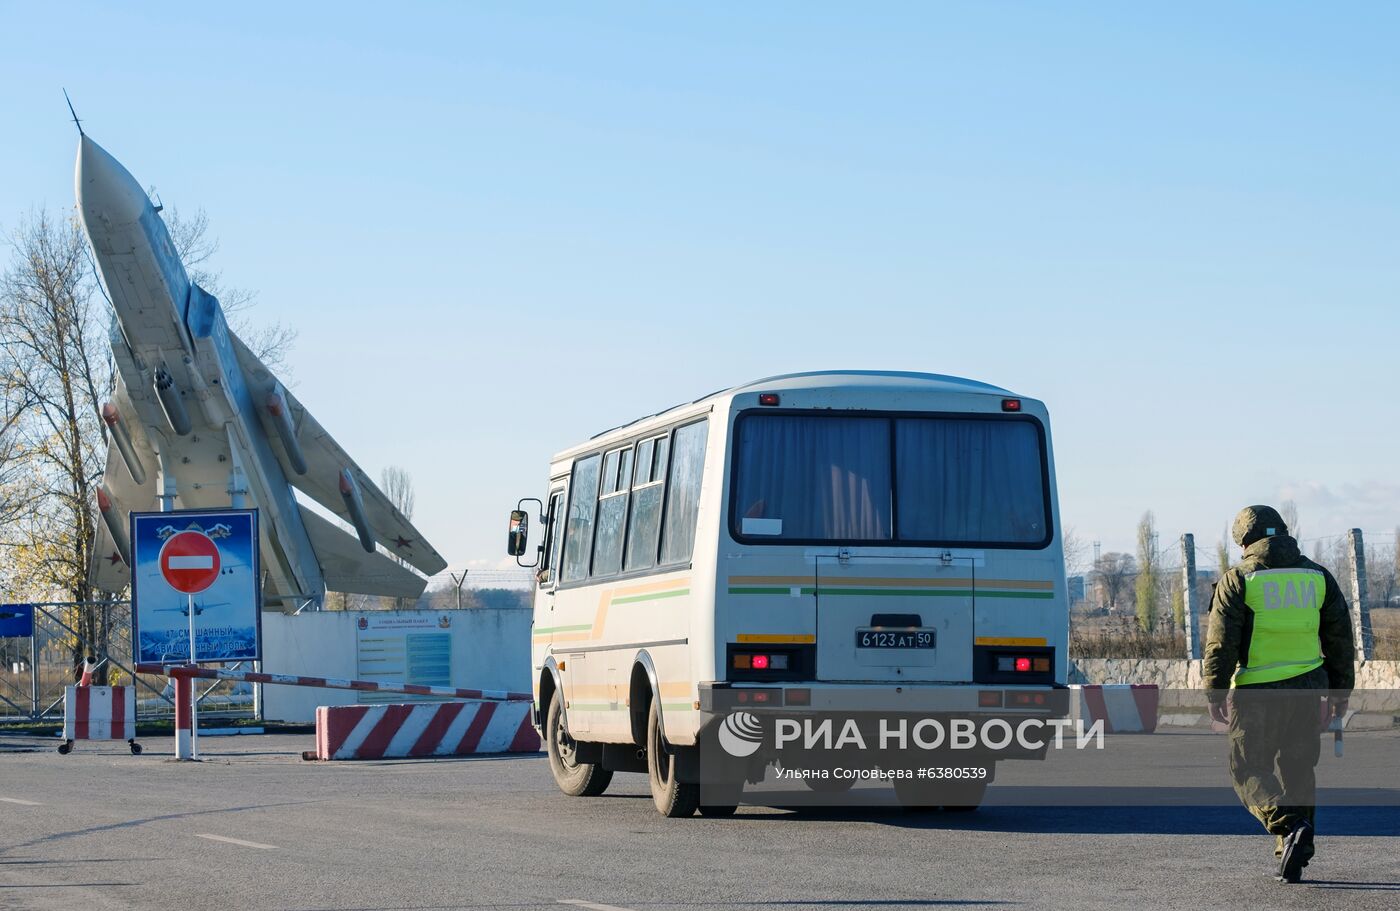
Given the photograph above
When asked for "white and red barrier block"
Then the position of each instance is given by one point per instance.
(424, 729)
(99, 713)
(1124, 708)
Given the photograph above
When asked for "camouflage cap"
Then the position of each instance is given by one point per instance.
(1256, 522)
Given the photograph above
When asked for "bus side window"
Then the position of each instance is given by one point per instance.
(578, 530)
(644, 524)
(551, 538)
(612, 512)
(683, 493)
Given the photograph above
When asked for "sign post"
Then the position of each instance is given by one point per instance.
(176, 556)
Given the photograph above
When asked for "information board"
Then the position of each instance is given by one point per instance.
(205, 560)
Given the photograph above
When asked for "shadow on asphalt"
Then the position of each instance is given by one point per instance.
(133, 823)
(1371, 887)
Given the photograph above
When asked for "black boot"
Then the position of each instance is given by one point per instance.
(1297, 848)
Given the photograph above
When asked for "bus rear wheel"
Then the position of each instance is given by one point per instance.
(577, 779)
(673, 798)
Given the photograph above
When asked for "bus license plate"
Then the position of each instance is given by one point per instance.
(894, 638)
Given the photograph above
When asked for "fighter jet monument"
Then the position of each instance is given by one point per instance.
(198, 421)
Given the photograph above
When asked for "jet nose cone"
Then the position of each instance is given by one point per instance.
(106, 191)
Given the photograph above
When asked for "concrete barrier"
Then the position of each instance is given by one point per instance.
(99, 713)
(1123, 708)
(423, 729)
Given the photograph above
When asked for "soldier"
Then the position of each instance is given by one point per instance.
(1279, 639)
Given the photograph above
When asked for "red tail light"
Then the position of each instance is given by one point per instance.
(1010, 404)
(760, 663)
(1023, 664)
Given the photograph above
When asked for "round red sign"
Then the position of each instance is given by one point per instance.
(189, 561)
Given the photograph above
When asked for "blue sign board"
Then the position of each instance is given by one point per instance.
(205, 561)
(16, 620)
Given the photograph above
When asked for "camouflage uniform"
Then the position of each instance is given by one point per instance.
(1275, 725)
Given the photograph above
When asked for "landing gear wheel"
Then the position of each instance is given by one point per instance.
(65, 748)
(577, 779)
(135, 747)
(673, 798)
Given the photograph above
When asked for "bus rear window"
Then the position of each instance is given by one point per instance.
(825, 478)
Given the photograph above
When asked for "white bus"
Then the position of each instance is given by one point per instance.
(797, 543)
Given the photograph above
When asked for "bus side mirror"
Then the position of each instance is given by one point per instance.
(519, 532)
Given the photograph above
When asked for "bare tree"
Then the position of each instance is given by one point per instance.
(53, 348)
(1383, 572)
(271, 342)
(1288, 511)
(397, 485)
(1146, 584)
(1075, 549)
(1113, 577)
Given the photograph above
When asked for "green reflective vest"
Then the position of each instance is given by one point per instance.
(1287, 608)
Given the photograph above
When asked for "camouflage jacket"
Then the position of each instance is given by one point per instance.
(1231, 621)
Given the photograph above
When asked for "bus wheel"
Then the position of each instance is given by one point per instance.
(673, 798)
(577, 779)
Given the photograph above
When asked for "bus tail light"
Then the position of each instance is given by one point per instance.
(799, 696)
(1013, 664)
(989, 699)
(755, 696)
(1010, 404)
(768, 398)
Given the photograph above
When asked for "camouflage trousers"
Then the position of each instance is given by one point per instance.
(1274, 748)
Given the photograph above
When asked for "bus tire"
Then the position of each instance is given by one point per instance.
(577, 779)
(674, 799)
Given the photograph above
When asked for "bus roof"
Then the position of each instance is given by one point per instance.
(875, 379)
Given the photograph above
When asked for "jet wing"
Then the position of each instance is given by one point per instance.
(347, 567)
(322, 461)
(107, 572)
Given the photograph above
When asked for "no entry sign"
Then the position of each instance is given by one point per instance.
(189, 561)
(195, 575)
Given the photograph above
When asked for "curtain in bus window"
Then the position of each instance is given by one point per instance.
(683, 492)
(969, 481)
(814, 477)
(578, 534)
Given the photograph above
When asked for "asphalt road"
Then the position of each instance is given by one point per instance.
(253, 826)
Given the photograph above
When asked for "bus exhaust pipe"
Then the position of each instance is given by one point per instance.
(121, 438)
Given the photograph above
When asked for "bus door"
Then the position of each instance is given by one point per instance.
(895, 618)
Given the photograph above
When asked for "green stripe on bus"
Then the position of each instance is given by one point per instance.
(652, 597)
(900, 592)
(562, 629)
(678, 706)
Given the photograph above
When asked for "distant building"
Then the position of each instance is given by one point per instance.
(1078, 590)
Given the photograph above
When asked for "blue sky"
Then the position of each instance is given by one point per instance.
(499, 231)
